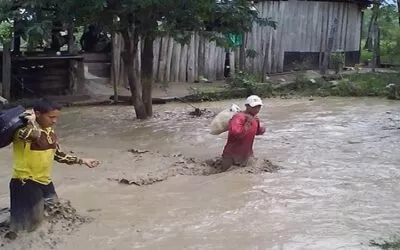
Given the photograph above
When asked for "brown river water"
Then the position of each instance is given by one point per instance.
(339, 186)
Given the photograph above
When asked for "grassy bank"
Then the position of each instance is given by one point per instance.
(393, 244)
(351, 85)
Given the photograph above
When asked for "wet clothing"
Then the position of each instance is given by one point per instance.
(34, 149)
(242, 130)
(27, 203)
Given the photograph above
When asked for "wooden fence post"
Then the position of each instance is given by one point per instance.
(328, 50)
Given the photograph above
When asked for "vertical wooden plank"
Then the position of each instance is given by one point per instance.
(160, 55)
(163, 59)
(319, 20)
(219, 62)
(175, 60)
(232, 64)
(265, 37)
(169, 60)
(267, 43)
(309, 25)
(183, 64)
(206, 60)
(258, 49)
(341, 31)
(215, 63)
(201, 56)
(270, 52)
(261, 53)
(212, 62)
(358, 29)
(303, 10)
(324, 26)
(196, 55)
(115, 64)
(191, 60)
(274, 42)
(6, 90)
(295, 38)
(315, 34)
(237, 57)
(222, 64)
(281, 54)
(344, 29)
(249, 62)
(156, 60)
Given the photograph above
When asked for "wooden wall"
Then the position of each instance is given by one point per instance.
(303, 27)
(33, 78)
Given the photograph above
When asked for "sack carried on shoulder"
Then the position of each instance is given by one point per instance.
(10, 120)
(220, 123)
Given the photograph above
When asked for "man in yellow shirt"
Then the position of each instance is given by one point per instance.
(35, 147)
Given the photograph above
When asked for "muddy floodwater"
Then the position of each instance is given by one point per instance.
(338, 188)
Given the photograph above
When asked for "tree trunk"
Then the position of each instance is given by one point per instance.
(242, 54)
(131, 40)
(376, 47)
(398, 9)
(115, 64)
(147, 59)
(375, 37)
(6, 91)
(368, 43)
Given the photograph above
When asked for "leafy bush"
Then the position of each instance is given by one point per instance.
(251, 84)
(5, 32)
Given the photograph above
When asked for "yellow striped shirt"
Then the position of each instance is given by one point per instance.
(35, 149)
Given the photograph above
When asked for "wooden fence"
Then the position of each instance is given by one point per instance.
(174, 62)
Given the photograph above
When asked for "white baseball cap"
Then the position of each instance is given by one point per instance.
(254, 101)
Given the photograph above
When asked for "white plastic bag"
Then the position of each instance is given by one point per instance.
(220, 122)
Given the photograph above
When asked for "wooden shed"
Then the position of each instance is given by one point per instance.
(304, 28)
(33, 76)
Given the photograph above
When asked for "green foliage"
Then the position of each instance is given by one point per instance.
(250, 83)
(389, 34)
(5, 32)
(337, 61)
(393, 244)
(242, 79)
(145, 17)
(356, 85)
(368, 84)
(250, 53)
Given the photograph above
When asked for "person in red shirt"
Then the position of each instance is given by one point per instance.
(243, 127)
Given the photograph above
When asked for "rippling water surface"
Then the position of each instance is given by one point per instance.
(339, 187)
